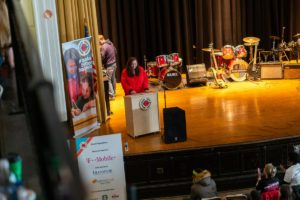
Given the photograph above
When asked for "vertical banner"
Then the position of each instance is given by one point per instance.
(78, 60)
(101, 166)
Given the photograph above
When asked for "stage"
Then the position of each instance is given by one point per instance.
(230, 132)
(245, 112)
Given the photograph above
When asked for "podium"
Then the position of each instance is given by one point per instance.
(142, 114)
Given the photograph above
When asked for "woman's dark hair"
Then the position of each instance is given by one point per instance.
(129, 69)
(72, 54)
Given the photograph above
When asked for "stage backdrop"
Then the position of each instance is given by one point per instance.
(154, 27)
(78, 60)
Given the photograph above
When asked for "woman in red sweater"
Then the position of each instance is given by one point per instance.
(134, 78)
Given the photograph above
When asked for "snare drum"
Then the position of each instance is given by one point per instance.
(152, 69)
(170, 78)
(238, 69)
(240, 51)
(228, 52)
(162, 61)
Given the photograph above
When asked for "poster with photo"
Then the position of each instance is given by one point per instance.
(101, 166)
(78, 59)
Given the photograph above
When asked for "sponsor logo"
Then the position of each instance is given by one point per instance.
(115, 196)
(84, 47)
(145, 103)
(102, 181)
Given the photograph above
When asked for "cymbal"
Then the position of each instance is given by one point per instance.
(273, 37)
(251, 39)
(209, 50)
(218, 54)
(249, 44)
(296, 35)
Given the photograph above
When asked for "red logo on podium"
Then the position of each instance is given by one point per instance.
(145, 103)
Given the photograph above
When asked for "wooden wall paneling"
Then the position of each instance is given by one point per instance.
(230, 162)
(160, 169)
(206, 160)
(275, 154)
(136, 171)
(182, 167)
(251, 159)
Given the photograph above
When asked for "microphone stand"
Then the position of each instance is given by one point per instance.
(165, 98)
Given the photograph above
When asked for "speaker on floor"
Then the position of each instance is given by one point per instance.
(174, 125)
(196, 74)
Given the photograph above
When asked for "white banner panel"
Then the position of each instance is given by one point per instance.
(101, 166)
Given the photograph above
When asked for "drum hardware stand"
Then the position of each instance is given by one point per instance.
(253, 68)
(145, 62)
(283, 46)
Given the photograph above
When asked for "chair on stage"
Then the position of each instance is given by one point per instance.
(272, 195)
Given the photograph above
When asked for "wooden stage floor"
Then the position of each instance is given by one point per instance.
(245, 112)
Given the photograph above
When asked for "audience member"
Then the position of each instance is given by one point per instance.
(109, 61)
(134, 78)
(268, 183)
(292, 174)
(203, 185)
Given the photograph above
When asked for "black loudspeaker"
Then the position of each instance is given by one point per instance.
(174, 125)
(196, 74)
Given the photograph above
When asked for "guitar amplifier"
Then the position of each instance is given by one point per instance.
(271, 71)
(196, 73)
(291, 71)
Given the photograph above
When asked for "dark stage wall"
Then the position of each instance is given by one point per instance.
(155, 27)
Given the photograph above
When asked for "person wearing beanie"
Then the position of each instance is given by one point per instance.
(203, 185)
(268, 182)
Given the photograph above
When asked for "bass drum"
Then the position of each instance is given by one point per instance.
(171, 78)
(238, 69)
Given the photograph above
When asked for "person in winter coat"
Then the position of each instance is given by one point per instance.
(203, 185)
(134, 78)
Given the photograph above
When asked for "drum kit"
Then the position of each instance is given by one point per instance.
(232, 59)
(166, 70)
(279, 53)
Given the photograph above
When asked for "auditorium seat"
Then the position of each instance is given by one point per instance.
(236, 197)
(272, 195)
(212, 198)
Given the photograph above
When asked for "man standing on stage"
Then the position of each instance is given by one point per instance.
(109, 61)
